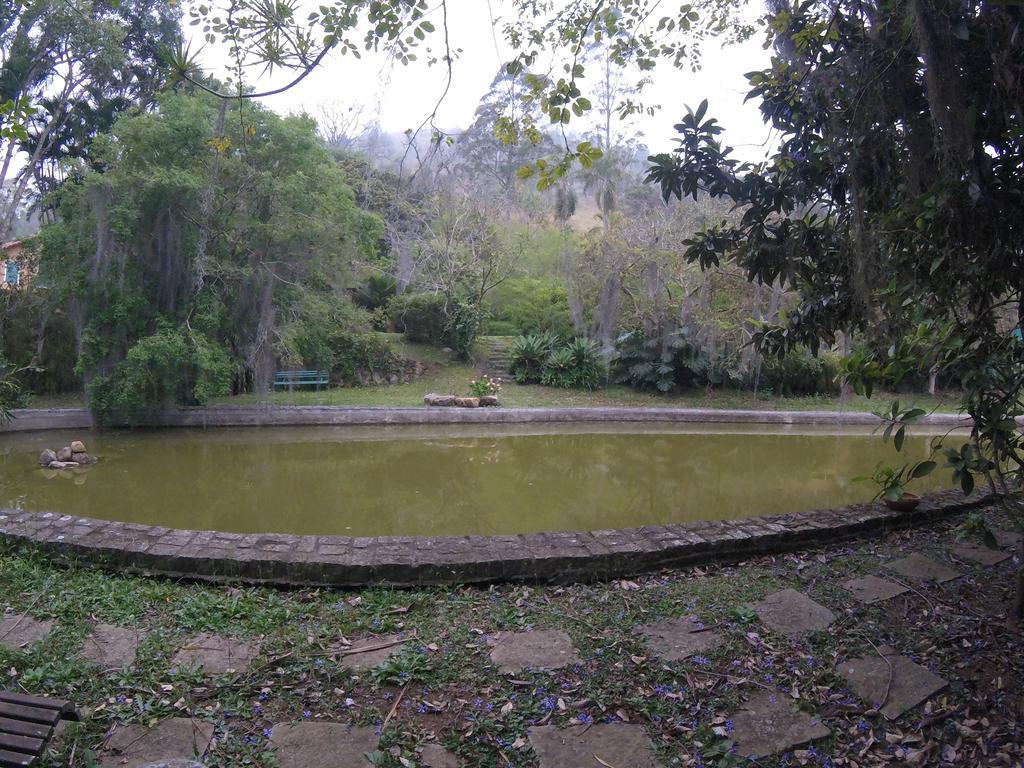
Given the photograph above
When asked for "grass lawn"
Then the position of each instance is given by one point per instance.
(447, 376)
(442, 687)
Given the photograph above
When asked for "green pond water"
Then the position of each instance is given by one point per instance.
(452, 480)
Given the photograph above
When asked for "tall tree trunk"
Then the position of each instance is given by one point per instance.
(206, 205)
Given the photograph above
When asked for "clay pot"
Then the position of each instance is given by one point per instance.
(906, 503)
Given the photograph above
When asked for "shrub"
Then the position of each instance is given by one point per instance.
(797, 374)
(528, 355)
(375, 292)
(330, 337)
(169, 366)
(485, 386)
(661, 364)
(529, 305)
(577, 365)
(462, 326)
(12, 394)
(420, 316)
(433, 319)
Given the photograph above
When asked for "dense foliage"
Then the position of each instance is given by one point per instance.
(436, 319)
(660, 363)
(893, 204)
(207, 239)
(546, 359)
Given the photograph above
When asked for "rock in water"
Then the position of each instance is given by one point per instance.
(83, 458)
(64, 454)
(78, 447)
(63, 464)
(489, 401)
(47, 457)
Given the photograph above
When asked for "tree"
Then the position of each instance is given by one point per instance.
(70, 68)
(892, 206)
(281, 238)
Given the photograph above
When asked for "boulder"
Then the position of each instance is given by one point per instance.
(83, 458)
(64, 454)
(77, 446)
(489, 401)
(47, 457)
(442, 400)
(63, 464)
(467, 402)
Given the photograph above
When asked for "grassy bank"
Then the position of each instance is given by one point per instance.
(446, 375)
(444, 688)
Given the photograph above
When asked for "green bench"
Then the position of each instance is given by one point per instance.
(292, 379)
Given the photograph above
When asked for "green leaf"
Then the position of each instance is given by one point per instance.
(901, 435)
(923, 468)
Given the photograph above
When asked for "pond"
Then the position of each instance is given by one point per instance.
(448, 480)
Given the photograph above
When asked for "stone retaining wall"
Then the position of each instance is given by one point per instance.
(308, 415)
(410, 560)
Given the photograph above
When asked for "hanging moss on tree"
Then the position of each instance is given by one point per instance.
(198, 243)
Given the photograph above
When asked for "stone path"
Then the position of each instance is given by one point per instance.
(620, 745)
(1008, 539)
(917, 567)
(378, 649)
(18, 631)
(793, 614)
(678, 639)
(174, 739)
(539, 649)
(771, 723)
(893, 684)
(216, 654)
(871, 589)
(111, 647)
(436, 756)
(980, 555)
(322, 745)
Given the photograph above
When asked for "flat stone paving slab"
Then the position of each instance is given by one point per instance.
(436, 756)
(322, 745)
(917, 567)
(18, 631)
(980, 555)
(910, 683)
(377, 650)
(216, 654)
(621, 745)
(174, 739)
(537, 649)
(677, 639)
(1008, 539)
(111, 647)
(871, 589)
(793, 613)
(771, 723)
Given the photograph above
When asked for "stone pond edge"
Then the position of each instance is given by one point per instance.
(284, 559)
(34, 419)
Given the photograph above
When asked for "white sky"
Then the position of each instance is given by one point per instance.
(404, 95)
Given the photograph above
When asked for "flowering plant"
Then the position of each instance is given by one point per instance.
(484, 386)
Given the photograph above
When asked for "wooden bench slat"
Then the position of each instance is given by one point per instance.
(30, 714)
(26, 700)
(15, 759)
(28, 744)
(21, 728)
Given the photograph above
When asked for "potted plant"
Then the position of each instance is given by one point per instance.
(891, 484)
